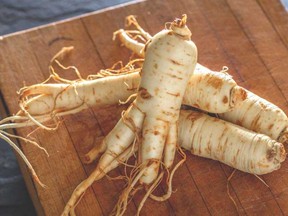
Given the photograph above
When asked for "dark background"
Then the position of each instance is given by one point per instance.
(16, 15)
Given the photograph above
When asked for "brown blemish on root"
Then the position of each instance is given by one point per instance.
(277, 152)
(238, 94)
(156, 133)
(238, 122)
(270, 154)
(144, 93)
(155, 66)
(225, 99)
(194, 116)
(168, 113)
(174, 76)
(270, 126)
(255, 123)
(263, 106)
(117, 136)
(175, 62)
(215, 82)
(208, 149)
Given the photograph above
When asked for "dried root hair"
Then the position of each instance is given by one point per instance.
(24, 119)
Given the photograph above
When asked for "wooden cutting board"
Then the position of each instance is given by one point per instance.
(250, 37)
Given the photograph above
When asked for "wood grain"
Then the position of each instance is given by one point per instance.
(250, 37)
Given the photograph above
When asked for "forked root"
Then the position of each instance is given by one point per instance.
(62, 54)
(44, 102)
(170, 179)
(23, 119)
(131, 20)
(149, 192)
(136, 175)
(122, 203)
(96, 175)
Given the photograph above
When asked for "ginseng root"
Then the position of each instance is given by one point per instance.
(211, 91)
(261, 116)
(253, 113)
(204, 136)
(231, 144)
(48, 101)
(153, 116)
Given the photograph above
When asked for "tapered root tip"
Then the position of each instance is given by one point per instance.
(238, 94)
(24, 92)
(62, 53)
(87, 159)
(131, 19)
(35, 177)
(117, 33)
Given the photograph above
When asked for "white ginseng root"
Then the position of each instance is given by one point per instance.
(44, 102)
(202, 135)
(261, 116)
(153, 116)
(208, 90)
(253, 113)
(214, 92)
(231, 144)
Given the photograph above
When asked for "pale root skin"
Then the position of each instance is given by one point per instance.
(151, 121)
(211, 91)
(200, 92)
(44, 102)
(55, 100)
(203, 86)
(163, 80)
(253, 113)
(233, 145)
(260, 115)
(199, 134)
